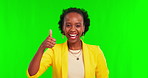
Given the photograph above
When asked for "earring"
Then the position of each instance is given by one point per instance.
(62, 36)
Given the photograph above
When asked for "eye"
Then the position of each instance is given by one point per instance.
(68, 25)
(78, 25)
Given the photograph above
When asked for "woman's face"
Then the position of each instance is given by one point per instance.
(73, 26)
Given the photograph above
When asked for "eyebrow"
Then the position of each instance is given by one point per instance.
(70, 23)
(78, 23)
(67, 22)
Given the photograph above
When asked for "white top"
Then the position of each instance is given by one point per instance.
(75, 66)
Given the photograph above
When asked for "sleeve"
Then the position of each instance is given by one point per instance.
(101, 69)
(46, 61)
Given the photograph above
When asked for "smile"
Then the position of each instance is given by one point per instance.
(73, 36)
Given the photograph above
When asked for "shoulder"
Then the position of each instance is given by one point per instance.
(56, 46)
(59, 45)
(94, 48)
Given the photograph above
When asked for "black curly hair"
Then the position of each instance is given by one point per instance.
(77, 10)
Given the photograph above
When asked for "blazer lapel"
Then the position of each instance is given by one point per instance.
(64, 60)
(86, 60)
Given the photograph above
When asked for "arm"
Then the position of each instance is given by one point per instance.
(101, 69)
(45, 62)
(35, 63)
(40, 59)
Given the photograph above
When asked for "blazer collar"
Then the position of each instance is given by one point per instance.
(86, 60)
(64, 58)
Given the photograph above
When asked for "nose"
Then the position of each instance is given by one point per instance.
(73, 28)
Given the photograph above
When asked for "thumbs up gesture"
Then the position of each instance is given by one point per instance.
(49, 42)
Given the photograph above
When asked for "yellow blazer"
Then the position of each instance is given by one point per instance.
(57, 57)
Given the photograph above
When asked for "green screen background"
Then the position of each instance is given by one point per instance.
(119, 27)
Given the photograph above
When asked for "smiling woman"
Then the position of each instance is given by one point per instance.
(73, 28)
(74, 58)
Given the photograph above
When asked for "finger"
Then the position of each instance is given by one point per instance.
(53, 39)
(50, 33)
(51, 42)
(50, 45)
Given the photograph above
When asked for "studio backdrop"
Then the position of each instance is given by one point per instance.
(119, 27)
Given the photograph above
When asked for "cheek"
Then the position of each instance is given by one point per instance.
(82, 29)
(66, 30)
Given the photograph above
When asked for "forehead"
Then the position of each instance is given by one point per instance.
(73, 16)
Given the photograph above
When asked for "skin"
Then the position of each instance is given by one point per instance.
(73, 24)
(49, 42)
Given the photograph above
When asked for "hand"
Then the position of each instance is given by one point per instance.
(49, 42)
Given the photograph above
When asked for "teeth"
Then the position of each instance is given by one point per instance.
(72, 34)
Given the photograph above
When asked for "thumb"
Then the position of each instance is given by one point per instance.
(50, 33)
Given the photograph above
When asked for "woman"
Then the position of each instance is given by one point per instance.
(74, 58)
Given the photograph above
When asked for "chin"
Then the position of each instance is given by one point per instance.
(73, 41)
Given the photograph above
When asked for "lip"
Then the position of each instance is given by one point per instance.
(73, 36)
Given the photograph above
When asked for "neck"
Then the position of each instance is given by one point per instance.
(75, 46)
